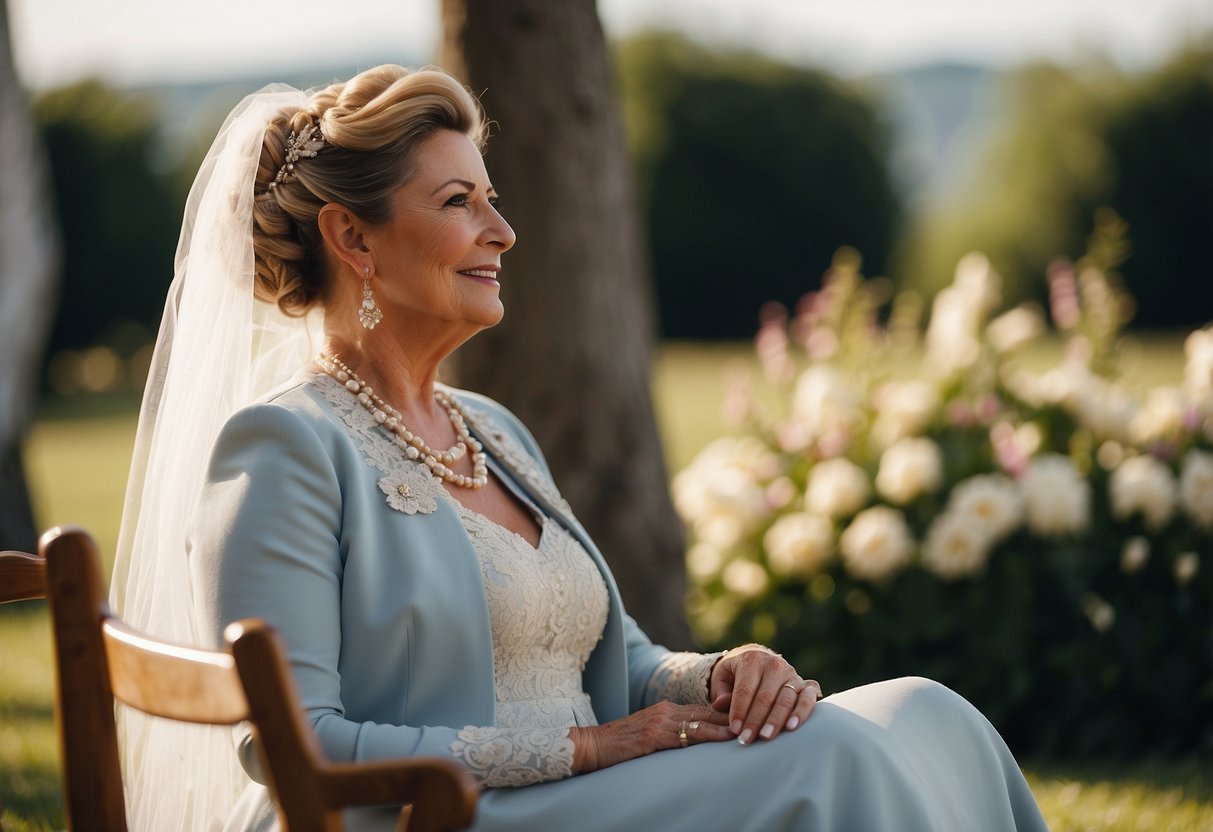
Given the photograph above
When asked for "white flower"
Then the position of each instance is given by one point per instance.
(1059, 385)
(991, 499)
(1057, 500)
(799, 544)
(956, 546)
(1186, 567)
(903, 409)
(957, 314)
(909, 468)
(723, 458)
(704, 561)
(1196, 488)
(1134, 554)
(719, 494)
(1161, 417)
(824, 403)
(877, 543)
(978, 282)
(1016, 327)
(837, 488)
(1099, 612)
(1198, 371)
(951, 337)
(745, 579)
(1143, 485)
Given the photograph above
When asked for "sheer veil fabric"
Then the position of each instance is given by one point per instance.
(218, 350)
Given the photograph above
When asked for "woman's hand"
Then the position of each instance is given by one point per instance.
(655, 728)
(761, 693)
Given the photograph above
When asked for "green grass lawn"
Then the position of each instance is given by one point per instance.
(77, 457)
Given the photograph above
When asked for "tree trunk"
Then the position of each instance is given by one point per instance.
(572, 357)
(29, 248)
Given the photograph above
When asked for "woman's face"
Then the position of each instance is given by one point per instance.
(437, 259)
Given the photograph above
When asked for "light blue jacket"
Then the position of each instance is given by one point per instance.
(384, 613)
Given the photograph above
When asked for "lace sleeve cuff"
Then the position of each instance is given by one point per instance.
(681, 678)
(512, 757)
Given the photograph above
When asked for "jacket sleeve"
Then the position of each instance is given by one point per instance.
(265, 541)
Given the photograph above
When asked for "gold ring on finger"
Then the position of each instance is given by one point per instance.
(682, 734)
(795, 689)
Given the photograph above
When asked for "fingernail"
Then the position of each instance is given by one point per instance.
(735, 726)
(767, 731)
(744, 739)
(793, 722)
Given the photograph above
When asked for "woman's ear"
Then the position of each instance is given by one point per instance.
(343, 234)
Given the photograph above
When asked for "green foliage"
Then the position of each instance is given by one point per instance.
(1077, 139)
(1161, 136)
(119, 215)
(1040, 542)
(751, 174)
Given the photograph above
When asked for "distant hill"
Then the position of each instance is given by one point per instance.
(192, 112)
(942, 116)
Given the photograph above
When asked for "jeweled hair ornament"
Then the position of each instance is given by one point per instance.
(304, 144)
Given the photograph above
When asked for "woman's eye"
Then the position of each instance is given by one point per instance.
(458, 200)
(495, 201)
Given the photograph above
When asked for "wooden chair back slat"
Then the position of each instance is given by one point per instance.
(170, 681)
(22, 577)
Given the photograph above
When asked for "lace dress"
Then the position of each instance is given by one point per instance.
(547, 610)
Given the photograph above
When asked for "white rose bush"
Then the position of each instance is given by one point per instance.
(905, 496)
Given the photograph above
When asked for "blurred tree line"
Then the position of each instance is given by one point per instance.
(1076, 140)
(752, 174)
(119, 210)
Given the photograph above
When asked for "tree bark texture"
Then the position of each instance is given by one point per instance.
(572, 357)
(29, 261)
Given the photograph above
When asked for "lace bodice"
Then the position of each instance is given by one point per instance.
(547, 609)
(548, 606)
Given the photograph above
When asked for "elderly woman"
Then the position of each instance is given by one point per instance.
(435, 592)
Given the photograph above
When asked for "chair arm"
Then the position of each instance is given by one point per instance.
(443, 795)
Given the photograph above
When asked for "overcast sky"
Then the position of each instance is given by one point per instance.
(140, 41)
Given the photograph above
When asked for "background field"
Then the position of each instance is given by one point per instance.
(77, 457)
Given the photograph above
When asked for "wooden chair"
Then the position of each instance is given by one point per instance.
(100, 659)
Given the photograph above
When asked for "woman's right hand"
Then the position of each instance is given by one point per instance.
(655, 728)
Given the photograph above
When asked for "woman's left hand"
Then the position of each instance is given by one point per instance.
(762, 693)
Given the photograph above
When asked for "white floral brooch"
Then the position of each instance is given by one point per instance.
(406, 498)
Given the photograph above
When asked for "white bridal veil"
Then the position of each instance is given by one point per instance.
(218, 350)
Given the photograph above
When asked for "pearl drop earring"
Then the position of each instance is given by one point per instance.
(369, 314)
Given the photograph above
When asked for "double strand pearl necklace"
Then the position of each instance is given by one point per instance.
(413, 446)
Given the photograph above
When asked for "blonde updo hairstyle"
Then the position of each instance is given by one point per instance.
(372, 125)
